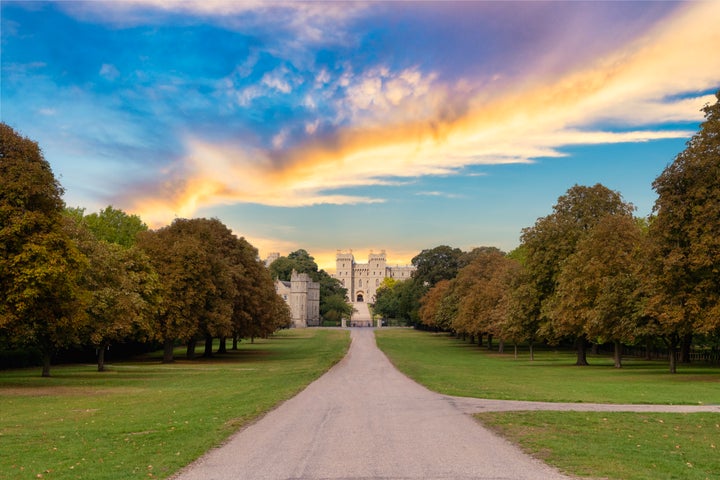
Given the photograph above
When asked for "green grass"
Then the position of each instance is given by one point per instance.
(624, 446)
(145, 419)
(627, 446)
(451, 366)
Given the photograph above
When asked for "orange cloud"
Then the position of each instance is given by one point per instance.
(422, 127)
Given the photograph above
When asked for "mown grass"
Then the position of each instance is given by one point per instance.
(454, 367)
(145, 419)
(623, 446)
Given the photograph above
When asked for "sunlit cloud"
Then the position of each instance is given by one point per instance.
(408, 124)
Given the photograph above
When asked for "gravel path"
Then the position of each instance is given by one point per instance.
(365, 420)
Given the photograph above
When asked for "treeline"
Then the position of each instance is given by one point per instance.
(589, 272)
(69, 279)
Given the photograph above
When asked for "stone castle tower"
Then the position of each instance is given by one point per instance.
(303, 297)
(363, 279)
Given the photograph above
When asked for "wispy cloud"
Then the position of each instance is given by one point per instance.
(435, 193)
(409, 124)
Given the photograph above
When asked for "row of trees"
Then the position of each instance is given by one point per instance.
(72, 279)
(590, 271)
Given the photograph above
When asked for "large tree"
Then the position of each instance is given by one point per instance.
(482, 287)
(41, 302)
(122, 291)
(436, 264)
(598, 286)
(554, 238)
(198, 292)
(685, 235)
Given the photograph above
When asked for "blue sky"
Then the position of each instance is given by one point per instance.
(338, 125)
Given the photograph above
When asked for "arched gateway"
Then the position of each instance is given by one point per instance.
(363, 279)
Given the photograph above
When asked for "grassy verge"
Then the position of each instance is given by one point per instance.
(624, 446)
(454, 367)
(145, 419)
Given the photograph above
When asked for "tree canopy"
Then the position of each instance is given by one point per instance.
(42, 303)
(685, 237)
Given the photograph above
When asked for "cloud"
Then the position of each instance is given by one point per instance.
(304, 22)
(109, 71)
(406, 123)
(439, 194)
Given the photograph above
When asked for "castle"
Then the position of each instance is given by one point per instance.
(303, 297)
(363, 279)
(360, 279)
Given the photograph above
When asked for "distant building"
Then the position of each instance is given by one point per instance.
(303, 297)
(271, 258)
(363, 279)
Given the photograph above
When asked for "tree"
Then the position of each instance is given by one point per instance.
(554, 238)
(42, 303)
(198, 291)
(522, 322)
(335, 308)
(258, 309)
(300, 261)
(597, 292)
(122, 292)
(685, 290)
(482, 287)
(111, 225)
(430, 305)
(399, 300)
(436, 264)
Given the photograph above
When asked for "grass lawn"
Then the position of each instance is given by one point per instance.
(145, 419)
(623, 446)
(451, 366)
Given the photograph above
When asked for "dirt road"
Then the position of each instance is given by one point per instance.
(365, 420)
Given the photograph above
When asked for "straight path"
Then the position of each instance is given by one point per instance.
(365, 420)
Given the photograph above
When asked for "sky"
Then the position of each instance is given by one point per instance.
(356, 125)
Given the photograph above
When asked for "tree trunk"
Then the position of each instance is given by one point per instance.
(101, 358)
(515, 346)
(618, 354)
(223, 345)
(501, 346)
(648, 349)
(168, 349)
(595, 349)
(532, 352)
(46, 356)
(208, 347)
(236, 340)
(252, 339)
(190, 351)
(490, 337)
(472, 338)
(685, 348)
(581, 344)
(672, 355)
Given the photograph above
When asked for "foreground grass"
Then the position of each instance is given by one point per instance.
(623, 446)
(451, 366)
(626, 446)
(145, 419)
